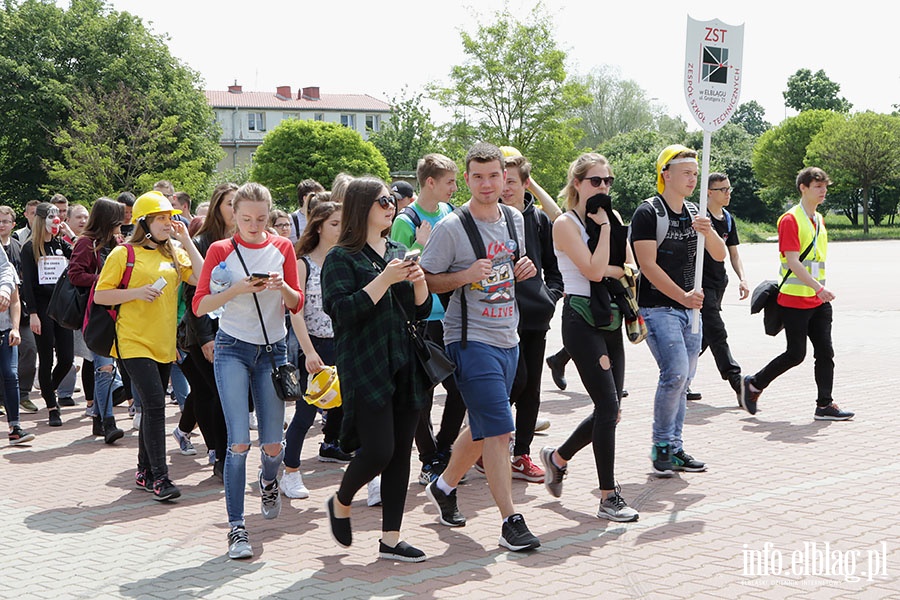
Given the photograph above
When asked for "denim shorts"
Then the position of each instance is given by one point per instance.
(484, 376)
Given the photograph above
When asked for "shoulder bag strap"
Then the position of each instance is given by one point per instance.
(123, 284)
(802, 256)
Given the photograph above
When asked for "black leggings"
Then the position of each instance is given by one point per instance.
(526, 390)
(386, 436)
(54, 338)
(202, 404)
(427, 443)
(587, 346)
(150, 378)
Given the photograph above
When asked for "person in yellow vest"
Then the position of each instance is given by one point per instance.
(804, 300)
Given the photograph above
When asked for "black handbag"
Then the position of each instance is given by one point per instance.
(68, 302)
(765, 299)
(434, 360)
(285, 378)
(100, 321)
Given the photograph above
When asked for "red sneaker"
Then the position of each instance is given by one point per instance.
(524, 468)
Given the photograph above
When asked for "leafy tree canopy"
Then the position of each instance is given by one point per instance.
(408, 136)
(752, 117)
(296, 150)
(814, 91)
(617, 106)
(52, 61)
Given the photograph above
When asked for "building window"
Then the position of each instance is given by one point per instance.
(319, 117)
(286, 116)
(348, 121)
(373, 122)
(256, 121)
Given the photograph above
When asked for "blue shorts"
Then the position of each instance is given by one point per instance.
(484, 376)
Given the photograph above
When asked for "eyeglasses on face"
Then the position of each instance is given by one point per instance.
(385, 201)
(597, 181)
(283, 225)
(727, 190)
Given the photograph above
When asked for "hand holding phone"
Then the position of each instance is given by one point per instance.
(412, 256)
(259, 279)
(159, 284)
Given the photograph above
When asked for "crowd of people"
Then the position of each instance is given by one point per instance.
(242, 288)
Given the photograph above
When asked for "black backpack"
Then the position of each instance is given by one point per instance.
(410, 213)
(477, 242)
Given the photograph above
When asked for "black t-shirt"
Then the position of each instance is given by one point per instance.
(714, 272)
(676, 255)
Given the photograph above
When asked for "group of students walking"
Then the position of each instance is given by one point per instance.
(483, 280)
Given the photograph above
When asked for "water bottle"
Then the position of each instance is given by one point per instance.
(219, 281)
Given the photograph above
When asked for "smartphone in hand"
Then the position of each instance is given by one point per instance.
(159, 284)
(412, 256)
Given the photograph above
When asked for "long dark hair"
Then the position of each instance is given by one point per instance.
(214, 227)
(106, 216)
(361, 193)
(311, 237)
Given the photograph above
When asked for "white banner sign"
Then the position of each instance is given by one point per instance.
(712, 71)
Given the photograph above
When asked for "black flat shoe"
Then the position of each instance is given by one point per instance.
(340, 528)
(402, 552)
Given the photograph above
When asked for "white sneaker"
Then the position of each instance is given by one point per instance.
(136, 421)
(292, 485)
(253, 422)
(541, 424)
(374, 492)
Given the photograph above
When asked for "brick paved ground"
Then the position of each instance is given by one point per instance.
(780, 486)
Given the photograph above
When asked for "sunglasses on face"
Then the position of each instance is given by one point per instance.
(596, 181)
(385, 201)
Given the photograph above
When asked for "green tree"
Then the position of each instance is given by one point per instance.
(409, 135)
(513, 90)
(780, 153)
(859, 152)
(632, 157)
(814, 91)
(617, 106)
(51, 58)
(731, 151)
(752, 117)
(297, 149)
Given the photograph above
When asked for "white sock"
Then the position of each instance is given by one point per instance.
(444, 486)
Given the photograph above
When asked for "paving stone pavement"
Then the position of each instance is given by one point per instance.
(790, 507)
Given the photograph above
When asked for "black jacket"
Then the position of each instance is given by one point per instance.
(194, 330)
(537, 297)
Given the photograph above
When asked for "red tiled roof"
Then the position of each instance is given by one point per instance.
(360, 102)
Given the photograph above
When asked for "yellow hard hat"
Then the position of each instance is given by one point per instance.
(150, 203)
(509, 151)
(668, 153)
(324, 389)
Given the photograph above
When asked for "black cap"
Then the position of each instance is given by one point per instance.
(402, 190)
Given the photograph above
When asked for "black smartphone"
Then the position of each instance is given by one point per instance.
(259, 275)
(412, 256)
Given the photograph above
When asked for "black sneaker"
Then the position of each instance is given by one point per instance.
(557, 371)
(662, 460)
(446, 505)
(516, 536)
(682, 461)
(18, 436)
(54, 419)
(66, 401)
(333, 453)
(142, 480)
(694, 395)
(748, 397)
(164, 489)
(832, 413)
(402, 552)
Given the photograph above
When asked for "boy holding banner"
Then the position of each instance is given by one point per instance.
(664, 235)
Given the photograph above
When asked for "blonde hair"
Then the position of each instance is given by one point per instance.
(577, 172)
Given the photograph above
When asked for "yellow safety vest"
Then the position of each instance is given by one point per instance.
(814, 262)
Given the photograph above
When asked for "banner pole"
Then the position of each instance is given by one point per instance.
(701, 239)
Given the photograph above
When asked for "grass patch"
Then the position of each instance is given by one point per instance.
(756, 232)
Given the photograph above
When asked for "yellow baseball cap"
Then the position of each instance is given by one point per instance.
(509, 151)
(668, 153)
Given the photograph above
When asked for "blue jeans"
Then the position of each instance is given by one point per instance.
(104, 384)
(9, 371)
(676, 350)
(242, 367)
(180, 386)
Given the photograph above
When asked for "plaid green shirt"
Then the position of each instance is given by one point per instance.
(374, 354)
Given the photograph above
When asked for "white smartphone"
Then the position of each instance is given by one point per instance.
(159, 284)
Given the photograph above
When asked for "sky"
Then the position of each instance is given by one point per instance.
(378, 47)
